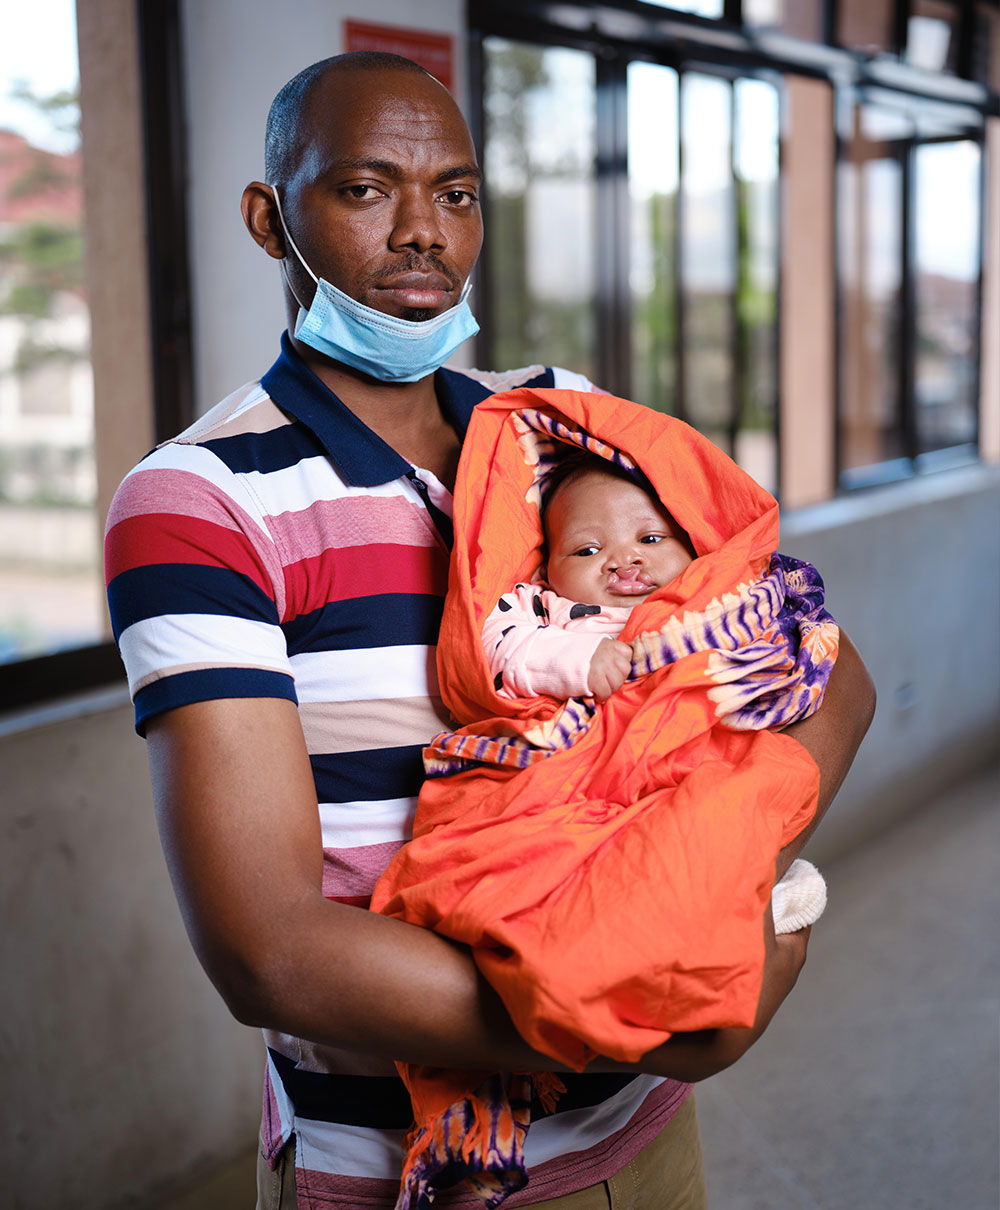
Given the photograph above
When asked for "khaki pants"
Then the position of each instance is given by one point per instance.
(666, 1175)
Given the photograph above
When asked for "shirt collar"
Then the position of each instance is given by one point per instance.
(361, 456)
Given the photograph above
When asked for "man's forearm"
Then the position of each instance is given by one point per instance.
(833, 735)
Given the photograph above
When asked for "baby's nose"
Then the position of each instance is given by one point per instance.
(625, 556)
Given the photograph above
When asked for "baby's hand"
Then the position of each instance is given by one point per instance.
(609, 666)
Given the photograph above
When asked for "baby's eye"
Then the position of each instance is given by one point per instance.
(651, 538)
(585, 551)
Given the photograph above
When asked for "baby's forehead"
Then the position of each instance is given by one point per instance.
(592, 487)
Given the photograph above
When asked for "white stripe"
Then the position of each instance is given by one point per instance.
(348, 825)
(568, 380)
(581, 1129)
(155, 645)
(286, 1115)
(295, 488)
(348, 1150)
(366, 674)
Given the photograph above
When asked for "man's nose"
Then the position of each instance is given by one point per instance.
(417, 223)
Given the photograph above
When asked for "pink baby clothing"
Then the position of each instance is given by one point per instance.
(538, 642)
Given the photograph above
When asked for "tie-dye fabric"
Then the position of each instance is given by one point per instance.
(608, 864)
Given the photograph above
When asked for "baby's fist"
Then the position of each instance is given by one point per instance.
(609, 666)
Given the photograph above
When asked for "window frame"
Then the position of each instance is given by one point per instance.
(32, 681)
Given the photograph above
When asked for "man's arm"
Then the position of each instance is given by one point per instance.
(833, 735)
(237, 814)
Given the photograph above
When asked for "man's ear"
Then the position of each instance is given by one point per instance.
(261, 217)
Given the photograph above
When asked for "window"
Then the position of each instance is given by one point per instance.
(77, 363)
(637, 242)
(909, 207)
(51, 585)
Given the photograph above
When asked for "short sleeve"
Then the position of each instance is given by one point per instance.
(194, 586)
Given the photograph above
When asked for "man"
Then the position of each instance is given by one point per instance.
(276, 577)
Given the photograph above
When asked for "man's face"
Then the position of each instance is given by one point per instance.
(385, 202)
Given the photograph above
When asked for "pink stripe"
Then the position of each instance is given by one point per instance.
(354, 521)
(355, 871)
(186, 495)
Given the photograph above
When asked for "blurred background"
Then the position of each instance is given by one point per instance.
(776, 219)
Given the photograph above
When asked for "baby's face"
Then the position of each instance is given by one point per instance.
(610, 543)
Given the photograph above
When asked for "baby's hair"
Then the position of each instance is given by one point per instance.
(581, 462)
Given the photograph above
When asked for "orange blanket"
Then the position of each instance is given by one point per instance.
(608, 865)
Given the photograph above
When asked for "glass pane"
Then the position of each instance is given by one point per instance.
(986, 46)
(756, 163)
(701, 8)
(870, 209)
(946, 273)
(652, 178)
(51, 591)
(932, 35)
(799, 18)
(708, 256)
(540, 155)
(866, 25)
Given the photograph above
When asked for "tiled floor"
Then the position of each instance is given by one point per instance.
(876, 1088)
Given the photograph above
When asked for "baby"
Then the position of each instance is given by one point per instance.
(610, 545)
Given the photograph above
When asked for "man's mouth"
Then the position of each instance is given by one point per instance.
(630, 582)
(423, 291)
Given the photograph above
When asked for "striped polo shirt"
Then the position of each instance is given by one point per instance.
(280, 548)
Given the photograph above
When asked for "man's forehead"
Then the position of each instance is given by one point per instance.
(350, 111)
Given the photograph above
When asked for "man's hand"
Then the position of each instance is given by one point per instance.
(609, 666)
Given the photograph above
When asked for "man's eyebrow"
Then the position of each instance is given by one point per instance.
(393, 171)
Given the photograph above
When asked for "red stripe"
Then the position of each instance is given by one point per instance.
(359, 901)
(168, 538)
(341, 575)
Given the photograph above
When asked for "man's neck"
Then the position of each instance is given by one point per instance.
(406, 415)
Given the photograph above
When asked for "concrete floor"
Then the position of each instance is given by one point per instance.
(876, 1088)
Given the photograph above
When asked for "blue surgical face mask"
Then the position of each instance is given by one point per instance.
(390, 349)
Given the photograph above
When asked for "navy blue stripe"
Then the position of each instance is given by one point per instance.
(164, 588)
(360, 455)
(270, 451)
(378, 1102)
(208, 684)
(382, 1102)
(369, 776)
(386, 620)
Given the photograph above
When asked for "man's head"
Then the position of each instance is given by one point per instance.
(609, 540)
(378, 184)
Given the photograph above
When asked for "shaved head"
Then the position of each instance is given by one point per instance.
(282, 141)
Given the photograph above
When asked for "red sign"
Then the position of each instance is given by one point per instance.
(435, 52)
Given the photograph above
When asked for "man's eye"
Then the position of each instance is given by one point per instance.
(459, 197)
(361, 193)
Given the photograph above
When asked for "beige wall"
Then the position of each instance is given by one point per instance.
(124, 1075)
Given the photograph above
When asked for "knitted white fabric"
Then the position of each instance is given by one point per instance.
(799, 898)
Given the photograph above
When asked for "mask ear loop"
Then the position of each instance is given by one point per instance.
(294, 247)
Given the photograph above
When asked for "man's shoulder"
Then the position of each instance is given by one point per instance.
(497, 381)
